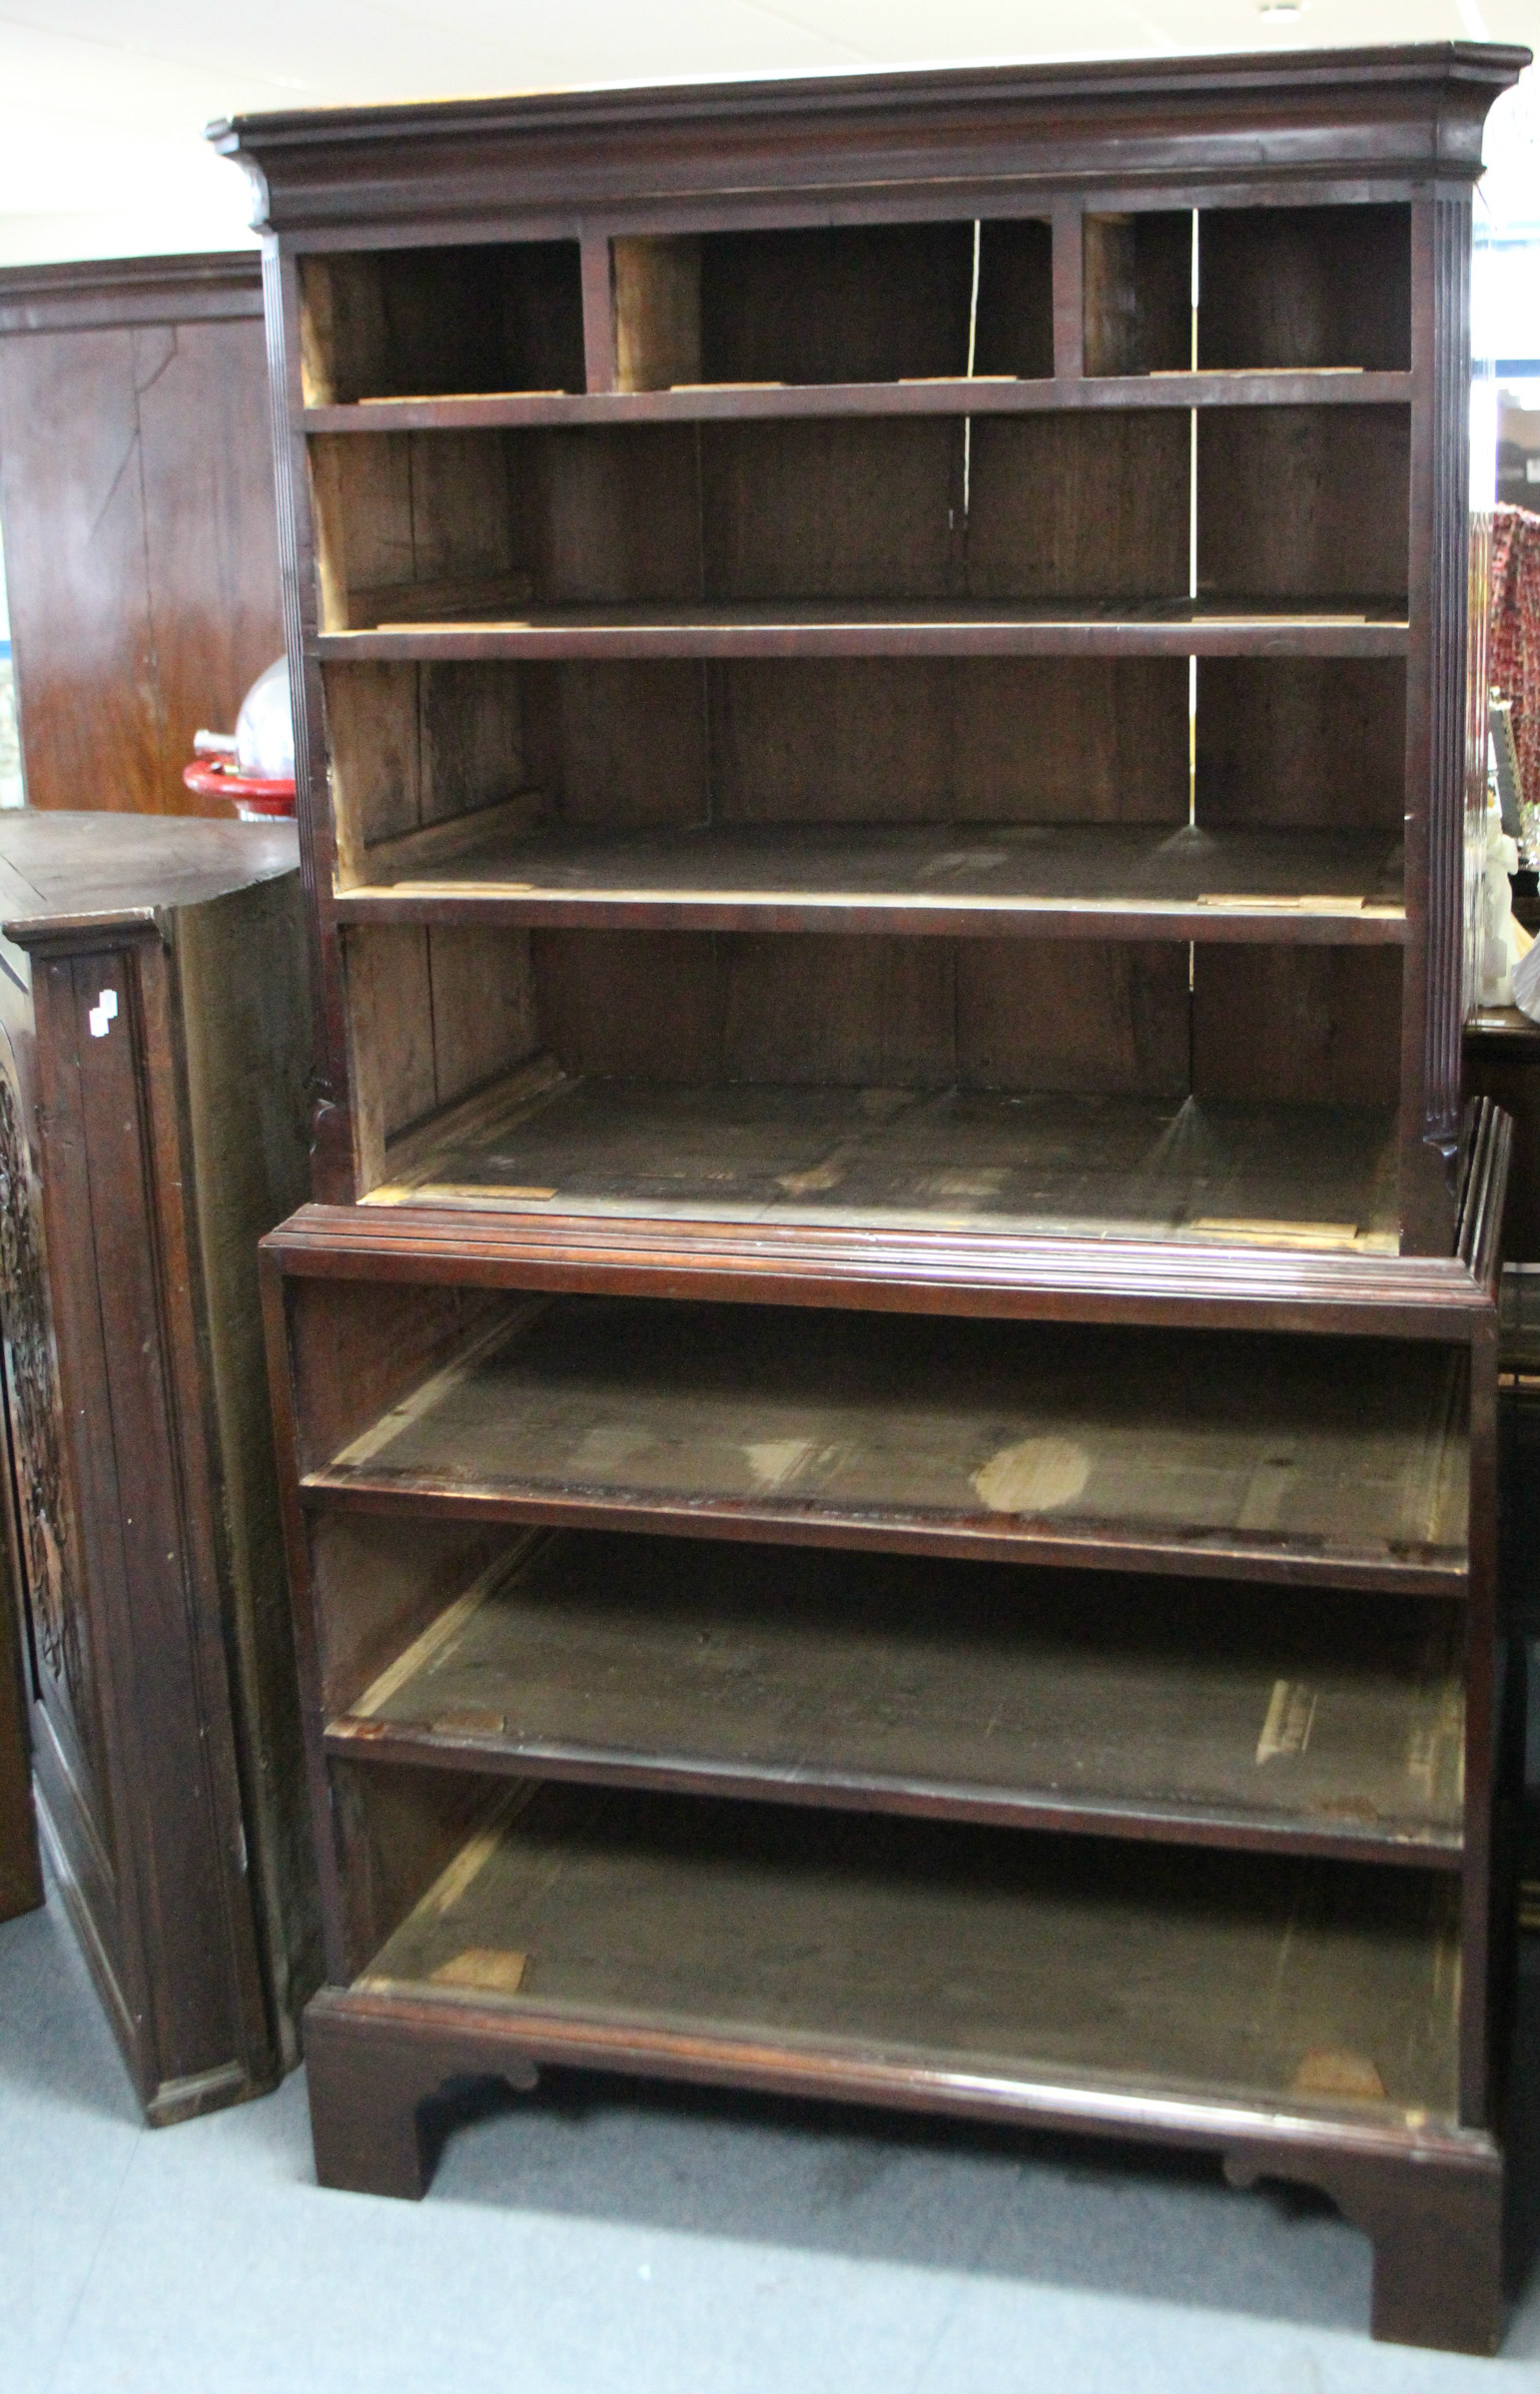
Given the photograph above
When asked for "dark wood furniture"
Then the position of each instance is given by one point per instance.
(1518, 1451)
(1518, 1422)
(154, 1039)
(21, 1879)
(137, 507)
(888, 1403)
(1502, 1062)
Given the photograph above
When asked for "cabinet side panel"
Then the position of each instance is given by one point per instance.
(472, 742)
(138, 1375)
(362, 499)
(373, 713)
(397, 1831)
(434, 1012)
(657, 312)
(391, 1035)
(1435, 721)
(377, 1584)
(334, 1163)
(245, 1021)
(341, 327)
(354, 1350)
(1485, 1951)
(483, 1012)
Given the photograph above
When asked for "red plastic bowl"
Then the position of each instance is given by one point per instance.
(211, 777)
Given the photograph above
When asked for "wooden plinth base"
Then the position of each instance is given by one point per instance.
(1437, 2237)
(381, 2068)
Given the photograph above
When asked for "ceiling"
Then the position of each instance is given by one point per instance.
(103, 102)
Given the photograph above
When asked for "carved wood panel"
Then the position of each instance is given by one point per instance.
(53, 1595)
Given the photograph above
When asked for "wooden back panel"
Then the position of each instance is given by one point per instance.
(1303, 502)
(845, 303)
(404, 323)
(140, 527)
(1312, 287)
(847, 1010)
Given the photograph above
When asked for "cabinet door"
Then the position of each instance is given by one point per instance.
(146, 1636)
(41, 1598)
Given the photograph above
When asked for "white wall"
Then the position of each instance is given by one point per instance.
(103, 102)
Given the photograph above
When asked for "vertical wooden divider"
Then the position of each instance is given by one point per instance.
(598, 314)
(1069, 291)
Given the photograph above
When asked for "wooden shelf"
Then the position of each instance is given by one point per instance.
(1215, 1453)
(957, 396)
(1503, 1031)
(1310, 1176)
(792, 629)
(1084, 1277)
(1054, 879)
(831, 1678)
(1315, 1986)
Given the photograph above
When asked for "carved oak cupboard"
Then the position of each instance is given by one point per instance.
(888, 1395)
(153, 1069)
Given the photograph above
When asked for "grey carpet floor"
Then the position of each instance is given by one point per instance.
(600, 2239)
